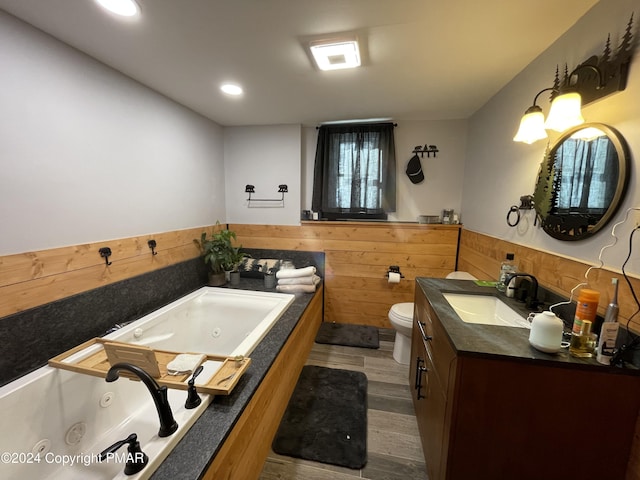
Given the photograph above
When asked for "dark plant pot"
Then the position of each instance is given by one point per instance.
(270, 281)
(217, 279)
(234, 278)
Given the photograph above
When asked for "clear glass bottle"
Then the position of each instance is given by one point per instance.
(583, 343)
(507, 267)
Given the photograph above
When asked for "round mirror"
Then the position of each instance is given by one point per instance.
(582, 180)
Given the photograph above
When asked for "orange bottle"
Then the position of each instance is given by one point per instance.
(586, 309)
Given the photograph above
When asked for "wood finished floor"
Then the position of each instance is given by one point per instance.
(394, 450)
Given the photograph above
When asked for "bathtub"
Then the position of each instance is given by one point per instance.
(212, 320)
(55, 422)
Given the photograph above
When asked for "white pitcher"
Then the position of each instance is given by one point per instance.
(546, 332)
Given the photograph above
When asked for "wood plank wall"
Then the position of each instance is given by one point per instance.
(31, 279)
(358, 256)
(481, 256)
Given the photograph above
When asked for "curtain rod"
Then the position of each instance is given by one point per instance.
(352, 123)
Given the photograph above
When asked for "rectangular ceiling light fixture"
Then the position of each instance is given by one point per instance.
(336, 53)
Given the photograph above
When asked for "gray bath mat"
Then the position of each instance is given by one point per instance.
(348, 334)
(326, 418)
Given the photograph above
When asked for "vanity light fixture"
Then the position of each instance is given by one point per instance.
(532, 123)
(591, 80)
(336, 53)
(124, 8)
(566, 107)
(565, 111)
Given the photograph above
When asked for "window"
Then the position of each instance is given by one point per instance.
(585, 178)
(355, 171)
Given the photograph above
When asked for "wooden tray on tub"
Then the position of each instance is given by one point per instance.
(95, 357)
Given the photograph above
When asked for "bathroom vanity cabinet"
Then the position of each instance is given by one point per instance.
(492, 411)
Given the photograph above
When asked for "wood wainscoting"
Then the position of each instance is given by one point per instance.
(481, 256)
(32, 279)
(358, 256)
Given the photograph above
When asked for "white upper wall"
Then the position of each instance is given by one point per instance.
(443, 174)
(265, 157)
(87, 154)
(498, 171)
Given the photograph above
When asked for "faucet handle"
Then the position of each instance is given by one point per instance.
(136, 460)
(196, 372)
(193, 399)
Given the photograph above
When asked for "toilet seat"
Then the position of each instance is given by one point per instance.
(459, 275)
(402, 313)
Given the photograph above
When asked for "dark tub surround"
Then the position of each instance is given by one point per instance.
(232, 438)
(488, 404)
(31, 337)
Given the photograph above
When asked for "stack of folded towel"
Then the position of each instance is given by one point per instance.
(297, 280)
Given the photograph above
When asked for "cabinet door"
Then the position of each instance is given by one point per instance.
(429, 402)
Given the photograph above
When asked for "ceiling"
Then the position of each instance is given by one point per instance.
(423, 59)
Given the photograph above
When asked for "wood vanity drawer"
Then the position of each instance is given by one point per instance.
(436, 342)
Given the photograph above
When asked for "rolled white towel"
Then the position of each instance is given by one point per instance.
(310, 280)
(295, 272)
(296, 288)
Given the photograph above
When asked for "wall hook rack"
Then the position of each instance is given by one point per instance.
(105, 252)
(283, 188)
(395, 269)
(428, 149)
(152, 245)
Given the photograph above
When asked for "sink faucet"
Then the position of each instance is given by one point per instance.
(532, 294)
(167, 423)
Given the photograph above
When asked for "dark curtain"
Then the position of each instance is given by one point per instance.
(355, 170)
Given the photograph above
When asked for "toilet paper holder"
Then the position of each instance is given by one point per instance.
(394, 269)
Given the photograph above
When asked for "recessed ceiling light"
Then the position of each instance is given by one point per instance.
(231, 89)
(126, 8)
(335, 54)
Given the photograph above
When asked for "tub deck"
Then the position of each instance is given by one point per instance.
(218, 441)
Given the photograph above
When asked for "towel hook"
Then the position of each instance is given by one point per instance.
(152, 245)
(105, 252)
(428, 149)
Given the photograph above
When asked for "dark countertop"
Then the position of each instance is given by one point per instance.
(194, 453)
(510, 343)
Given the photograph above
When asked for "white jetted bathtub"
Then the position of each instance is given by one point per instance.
(54, 423)
(211, 320)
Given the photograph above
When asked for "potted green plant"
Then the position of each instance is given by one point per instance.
(220, 254)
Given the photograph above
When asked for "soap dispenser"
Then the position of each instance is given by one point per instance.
(546, 332)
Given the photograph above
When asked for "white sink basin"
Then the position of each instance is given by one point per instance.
(486, 310)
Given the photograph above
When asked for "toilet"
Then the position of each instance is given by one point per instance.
(401, 318)
(460, 276)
